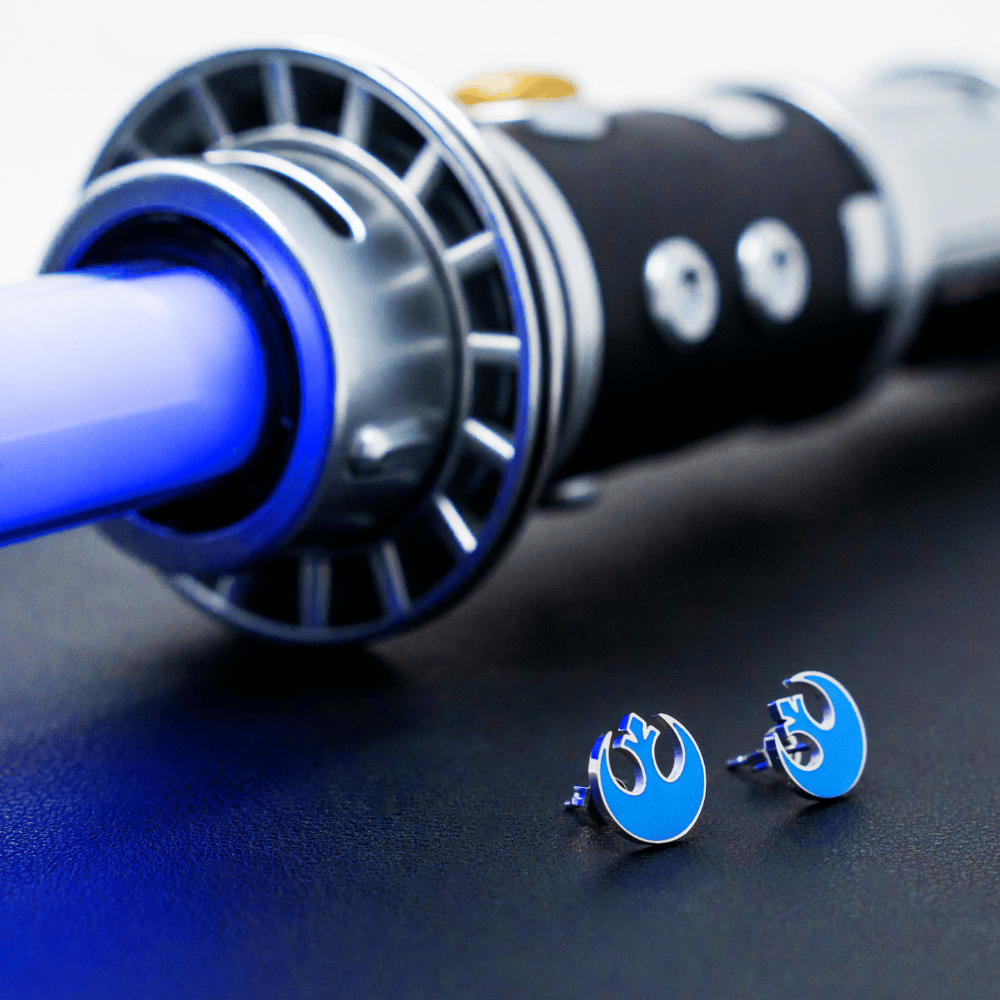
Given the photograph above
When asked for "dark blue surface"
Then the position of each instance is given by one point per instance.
(187, 814)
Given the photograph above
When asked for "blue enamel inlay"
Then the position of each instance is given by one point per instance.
(840, 736)
(658, 809)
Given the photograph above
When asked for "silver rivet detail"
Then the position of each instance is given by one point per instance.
(377, 450)
(774, 269)
(741, 117)
(572, 493)
(682, 289)
(569, 120)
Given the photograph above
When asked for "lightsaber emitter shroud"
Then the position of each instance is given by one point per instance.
(320, 339)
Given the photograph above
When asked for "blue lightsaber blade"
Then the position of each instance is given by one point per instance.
(118, 391)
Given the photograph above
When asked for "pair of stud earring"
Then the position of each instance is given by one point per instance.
(822, 759)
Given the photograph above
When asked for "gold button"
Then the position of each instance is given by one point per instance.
(514, 85)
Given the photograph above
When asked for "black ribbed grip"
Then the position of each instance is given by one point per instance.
(652, 176)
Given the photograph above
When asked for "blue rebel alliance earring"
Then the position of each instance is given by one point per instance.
(823, 759)
(659, 808)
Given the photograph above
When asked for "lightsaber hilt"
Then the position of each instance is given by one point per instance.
(437, 318)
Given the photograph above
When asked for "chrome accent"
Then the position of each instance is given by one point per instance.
(682, 290)
(741, 117)
(572, 493)
(578, 277)
(299, 175)
(945, 125)
(568, 118)
(473, 254)
(424, 171)
(500, 112)
(389, 578)
(866, 237)
(376, 449)
(498, 348)
(212, 120)
(572, 119)
(279, 93)
(774, 270)
(356, 116)
(459, 531)
(494, 444)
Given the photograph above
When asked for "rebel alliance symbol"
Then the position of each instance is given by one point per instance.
(823, 759)
(658, 809)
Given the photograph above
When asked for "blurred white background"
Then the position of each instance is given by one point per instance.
(70, 70)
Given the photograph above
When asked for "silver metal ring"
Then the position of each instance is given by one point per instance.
(323, 583)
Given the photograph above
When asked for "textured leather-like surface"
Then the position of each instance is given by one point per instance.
(184, 813)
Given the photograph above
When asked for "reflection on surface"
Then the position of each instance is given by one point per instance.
(187, 814)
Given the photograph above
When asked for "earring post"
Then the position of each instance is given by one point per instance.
(757, 760)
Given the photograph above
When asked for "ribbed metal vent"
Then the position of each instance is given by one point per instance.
(413, 141)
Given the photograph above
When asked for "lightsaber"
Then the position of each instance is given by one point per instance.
(318, 338)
